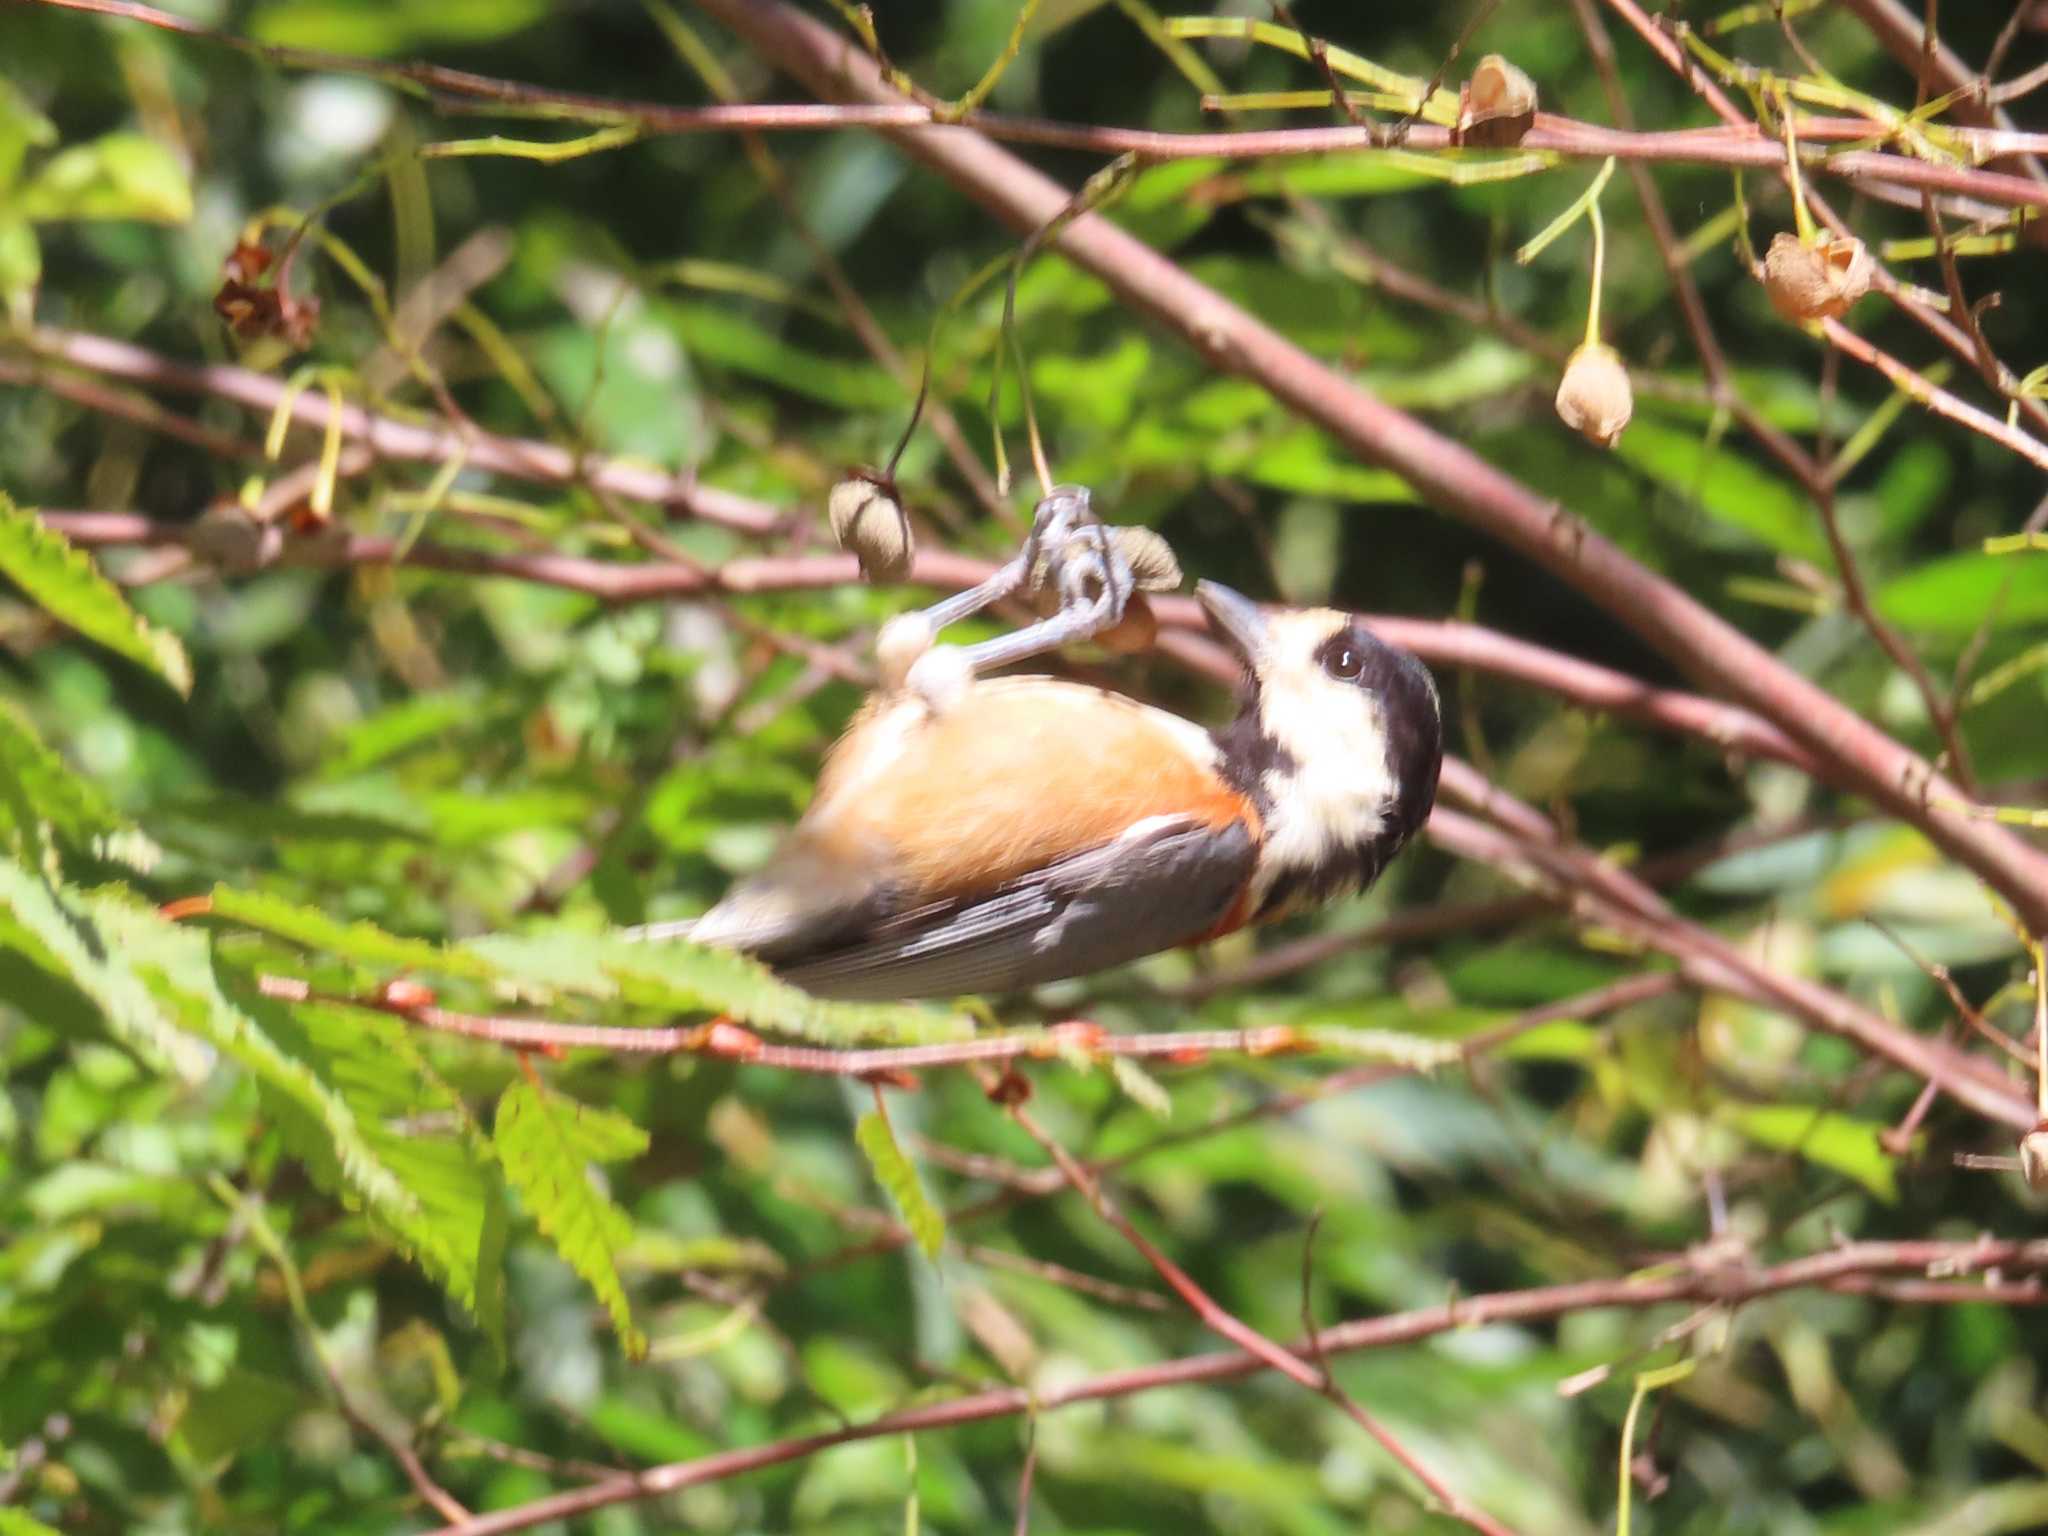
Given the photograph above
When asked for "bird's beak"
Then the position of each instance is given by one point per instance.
(1237, 618)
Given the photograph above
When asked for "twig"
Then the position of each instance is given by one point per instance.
(1852, 1267)
(456, 90)
(1727, 727)
(1221, 1321)
(437, 1498)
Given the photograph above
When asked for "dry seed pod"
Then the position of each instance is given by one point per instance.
(869, 520)
(2034, 1157)
(1594, 396)
(1818, 281)
(1132, 633)
(1497, 105)
(1150, 557)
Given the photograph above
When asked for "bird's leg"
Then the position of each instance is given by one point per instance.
(1068, 554)
(1080, 566)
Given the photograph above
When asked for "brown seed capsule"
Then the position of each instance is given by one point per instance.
(1132, 633)
(2034, 1157)
(1497, 105)
(1594, 396)
(869, 520)
(1150, 557)
(1818, 281)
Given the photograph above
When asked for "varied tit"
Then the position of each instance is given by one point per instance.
(1021, 830)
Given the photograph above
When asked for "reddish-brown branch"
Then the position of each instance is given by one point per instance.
(722, 1039)
(1222, 1322)
(1607, 894)
(1738, 145)
(1444, 471)
(433, 443)
(1852, 1266)
(1586, 684)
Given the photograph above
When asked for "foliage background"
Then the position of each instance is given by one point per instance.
(221, 1209)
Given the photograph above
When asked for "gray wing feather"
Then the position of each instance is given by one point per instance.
(1160, 885)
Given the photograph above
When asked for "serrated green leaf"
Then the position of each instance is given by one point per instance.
(347, 1089)
(693, 978)
(1847, 1145)
(35, 781)
(364, 943)
(415, 1127)
(894, 1172)
(67, 585)
(546, 1144)
(116, 176)
(68, 942)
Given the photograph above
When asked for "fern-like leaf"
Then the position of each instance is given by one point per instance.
(547, 1144)
(65, 583)
(688, 978)
(895, 1173)
(364, 943)
(53, 927)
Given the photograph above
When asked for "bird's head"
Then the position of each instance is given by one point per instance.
(1338, 743)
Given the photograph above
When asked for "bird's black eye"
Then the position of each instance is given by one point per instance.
(1344, 659)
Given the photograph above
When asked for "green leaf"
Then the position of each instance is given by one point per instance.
(344, 1087)
(242, 1411)
(1956, 594)
(1727, 485)
(1847, 1145)
(676, 976)
(58, 933)
(117, 176)
(417, 1165)
(381, 28)
(364, 943)
(22, 128)
(893, 1171)
(35, 781)
(70, 588)
(14, 1523)
(21, 269)
(546, 1144)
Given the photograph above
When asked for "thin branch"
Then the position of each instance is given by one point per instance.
(1078, 1040)
(1221, 1321)
(433, 443)
(1852, 1267)
(1611, 896)
(456, 90)
(1586, 684)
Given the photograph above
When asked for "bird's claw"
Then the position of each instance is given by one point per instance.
(1069, 558)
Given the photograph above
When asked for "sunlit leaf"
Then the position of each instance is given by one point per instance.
(64, 581)
(118, 176)
(893, 1171)
(1836, 1141)
(547, 1144)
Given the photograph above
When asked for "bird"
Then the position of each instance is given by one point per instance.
(1018, 830)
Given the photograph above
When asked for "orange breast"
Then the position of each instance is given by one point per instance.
(1019, 774)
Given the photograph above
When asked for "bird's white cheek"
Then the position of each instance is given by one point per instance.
(1337, 794)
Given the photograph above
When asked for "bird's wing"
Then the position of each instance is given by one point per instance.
(930, 812)
(1166, 881)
